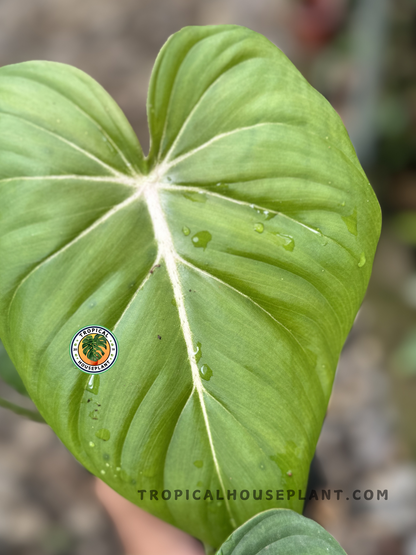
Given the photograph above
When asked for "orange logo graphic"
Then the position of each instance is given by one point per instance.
(94, 349)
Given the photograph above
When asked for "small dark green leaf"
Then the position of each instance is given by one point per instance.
(280, 532)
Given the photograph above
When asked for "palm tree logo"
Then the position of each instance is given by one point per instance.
(94, 347)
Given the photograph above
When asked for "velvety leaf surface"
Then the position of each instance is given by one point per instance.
(280, 532)
(230, 265)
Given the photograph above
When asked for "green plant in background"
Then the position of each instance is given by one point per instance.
(230, 263)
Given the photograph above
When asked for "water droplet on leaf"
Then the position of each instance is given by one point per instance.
(93, 414)
(351, 222)
(221, 187)
(205, 372)
(196, 197)
(362, 260)
(93, 384)
(259, 227)
(285, 241)
(323, 239)
(199, 464)
(91, 444)
(201, 239)
(103, 434)
(185, 230)
(198, 352)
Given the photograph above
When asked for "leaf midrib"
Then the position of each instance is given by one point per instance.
(167, 252)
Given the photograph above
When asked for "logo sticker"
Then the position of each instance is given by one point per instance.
(94, 349)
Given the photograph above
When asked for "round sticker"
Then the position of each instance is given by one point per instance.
(94, 349)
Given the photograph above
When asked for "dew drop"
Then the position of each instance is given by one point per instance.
(285, 241)
(323, 239)
(173, 302)
(205, 372)
(221, 187)
(118, 468)
(93, 384)
(199, 464)
(198, 352)
(93, 414)
(106, 456)
(201, 239)
(259, 227)
(196, 197)
(103, 434)
(102, 472)
(268, 215)
(185, 230)
(362, 260)
(351, 222)
(91, 444)
(343, 203)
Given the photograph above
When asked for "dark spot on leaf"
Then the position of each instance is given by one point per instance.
(159, 337)
(154, 268)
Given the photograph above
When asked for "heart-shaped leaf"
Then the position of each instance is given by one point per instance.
(280, 532)
(229, 264)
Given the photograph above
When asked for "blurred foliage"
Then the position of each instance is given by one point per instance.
(405, 356)
(397, 113)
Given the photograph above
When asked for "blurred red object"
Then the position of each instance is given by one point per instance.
(315, 22)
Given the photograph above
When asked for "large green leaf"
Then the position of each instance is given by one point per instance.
(230, 265)
(280, 532)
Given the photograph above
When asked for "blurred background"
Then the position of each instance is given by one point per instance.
(361, 55)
